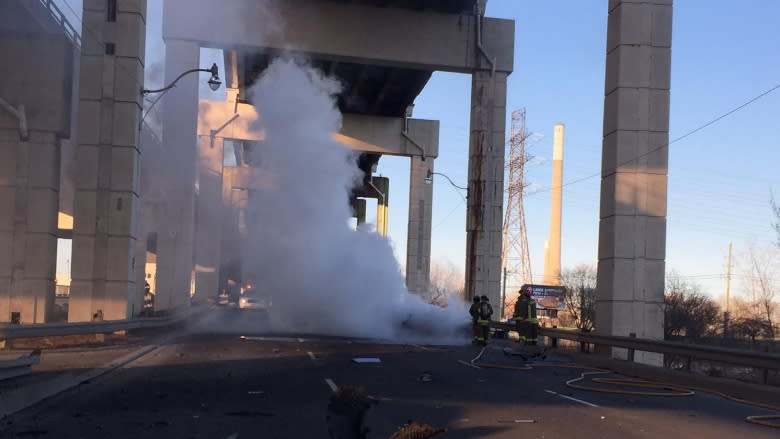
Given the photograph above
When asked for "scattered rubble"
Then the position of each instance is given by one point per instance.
(425, 377)
(413, 430)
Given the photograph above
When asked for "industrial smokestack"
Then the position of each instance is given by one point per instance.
(552, 261)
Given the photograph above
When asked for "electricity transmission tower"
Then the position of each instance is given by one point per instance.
(515, 260)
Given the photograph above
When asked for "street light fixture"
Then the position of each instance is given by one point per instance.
(214, 81)
(429, 179)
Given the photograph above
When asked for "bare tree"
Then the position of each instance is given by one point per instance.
(751, 327)
(580, 299)
(760, 275)
(746, 318)
(446, 282)
(688, 311)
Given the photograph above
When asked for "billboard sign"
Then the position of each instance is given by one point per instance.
(547, 296)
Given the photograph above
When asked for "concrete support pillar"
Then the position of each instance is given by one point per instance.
(35, 108)
(234, 202)
(106, 165)
(418, 240)
(632, 230)
(210, 214)
(180, 116)
(231, 76)
(552, 248)
(151, 186)
(29, 200)
(486, 185)
(359, 209)
(382, 184)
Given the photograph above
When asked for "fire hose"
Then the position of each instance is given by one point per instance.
(668, 389)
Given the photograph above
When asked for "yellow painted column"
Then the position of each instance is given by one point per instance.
(382, 184)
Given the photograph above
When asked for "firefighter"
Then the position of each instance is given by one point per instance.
(483, 320)
(520, 316)
(474, 313)
(526, 322)
(148, 307)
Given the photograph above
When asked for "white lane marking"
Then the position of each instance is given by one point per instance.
(311, 356)
(466, 363)
(589, 404)
(331, 384)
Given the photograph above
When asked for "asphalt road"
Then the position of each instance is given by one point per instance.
(220, 386)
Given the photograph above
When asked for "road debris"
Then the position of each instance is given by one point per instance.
(332, 385)
(425, 377)
(413, 430)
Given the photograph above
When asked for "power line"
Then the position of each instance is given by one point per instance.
(446, 217)
(689, 133)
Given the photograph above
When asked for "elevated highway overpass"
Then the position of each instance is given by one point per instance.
(384, 52)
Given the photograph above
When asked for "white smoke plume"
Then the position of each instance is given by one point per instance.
(324, 277)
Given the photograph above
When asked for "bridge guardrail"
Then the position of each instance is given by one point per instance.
(19, 366)
(63, 22)
(738, 357)
(11, 331)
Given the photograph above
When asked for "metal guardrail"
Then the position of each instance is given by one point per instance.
(59, 17)
(19, 366)
(9, 331)
(738, 357)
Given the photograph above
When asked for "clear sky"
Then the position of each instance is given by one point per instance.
(723, 54)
